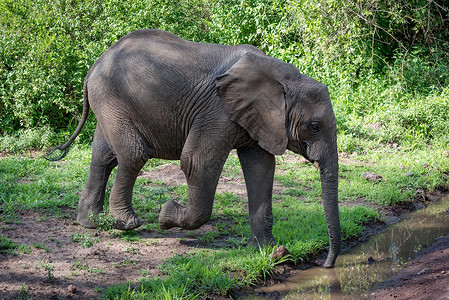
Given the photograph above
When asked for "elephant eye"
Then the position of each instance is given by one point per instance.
(314, 127)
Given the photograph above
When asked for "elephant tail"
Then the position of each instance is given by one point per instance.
(65, 148)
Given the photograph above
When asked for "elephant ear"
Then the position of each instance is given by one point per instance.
(255, 99)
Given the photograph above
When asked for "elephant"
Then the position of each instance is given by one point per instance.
(156, 95)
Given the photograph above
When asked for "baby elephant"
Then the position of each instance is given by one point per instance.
(156, 95)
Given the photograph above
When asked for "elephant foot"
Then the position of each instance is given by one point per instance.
(86, 208)
(126, 221)
(128, 224)
(262, 241)
(330, 261)
(85, 221)
(168, 217)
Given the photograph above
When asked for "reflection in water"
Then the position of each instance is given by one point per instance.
(355, 274)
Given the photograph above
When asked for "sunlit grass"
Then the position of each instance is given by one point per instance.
(32, 182)
(299, 223)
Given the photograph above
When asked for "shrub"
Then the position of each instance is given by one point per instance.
(373, 55)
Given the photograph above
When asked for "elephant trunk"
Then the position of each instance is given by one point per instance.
(329, 188)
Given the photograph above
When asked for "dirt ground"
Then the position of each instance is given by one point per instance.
(59, 268)
(64, 269)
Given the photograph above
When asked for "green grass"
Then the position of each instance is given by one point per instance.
(26, 139)
(85, 240)
(41, 246)
(8, 246)
(85, 267)
(428, 166)
(33, 183)
(299, 222)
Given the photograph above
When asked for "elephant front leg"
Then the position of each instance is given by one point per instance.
(202, 161)
(258, 168)
(202, 184)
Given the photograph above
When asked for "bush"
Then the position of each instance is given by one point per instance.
(47, 47)
(26, 139)
(408, 122)
(375, 56)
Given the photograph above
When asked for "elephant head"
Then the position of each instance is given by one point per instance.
(283, 109)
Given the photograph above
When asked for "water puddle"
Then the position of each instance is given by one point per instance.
(359, 269)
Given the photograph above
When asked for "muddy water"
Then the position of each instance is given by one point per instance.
(359, 269)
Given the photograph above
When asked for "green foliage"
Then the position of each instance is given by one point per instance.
(301, 227)
(375, 56)
(299, 221)
(47, 47)
(24, 293)
(263, 264)
(228, 204)
(402, 122)
(79, 265)
(298, 224)
(264, 24)
(49, 268)
(41, 246)
(8, 246)
(85, 240)
(130, 236)
(386, 65)
(103, 221)
(25, 139)
(186, 276)
(353, 219)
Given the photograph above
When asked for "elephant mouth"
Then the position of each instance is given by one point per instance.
(299, 148)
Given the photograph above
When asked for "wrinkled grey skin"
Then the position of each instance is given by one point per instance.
(156, 95)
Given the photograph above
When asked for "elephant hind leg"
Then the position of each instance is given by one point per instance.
(103, 161)
(120, 200)
(132, 152)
